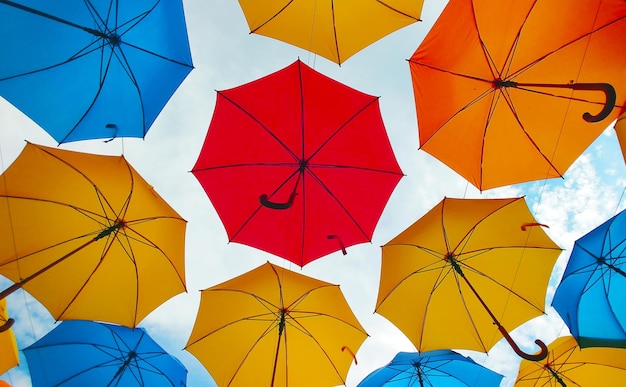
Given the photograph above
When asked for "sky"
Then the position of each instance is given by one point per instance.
(226, 55)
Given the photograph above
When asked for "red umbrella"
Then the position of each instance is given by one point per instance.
(297, 164)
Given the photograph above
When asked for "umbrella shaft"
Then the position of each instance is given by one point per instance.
(21, 283)
(556, 376)
(52, 17)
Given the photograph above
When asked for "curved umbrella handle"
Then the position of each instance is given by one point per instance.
(351, 353)
(525, 225)
(609, 104)
(341, 245)
(543, 353)
(7, 324)
(277, 206)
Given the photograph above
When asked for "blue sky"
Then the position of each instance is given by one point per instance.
(225, 55)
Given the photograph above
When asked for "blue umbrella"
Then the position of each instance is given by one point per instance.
(439, 368)
(590, 297)
(92, 69)
(87, 353)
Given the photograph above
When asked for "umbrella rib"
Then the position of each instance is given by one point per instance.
(86, 281)
(467, 311)
(82, 52)
(296, 324)
(251, 164)
(262, 125)
(369, 104)
(511, 291)
(565, 45)
(384, 3)
(271, 17)
(268, 330)
(108, 363)
(345, 210)
(260, 206)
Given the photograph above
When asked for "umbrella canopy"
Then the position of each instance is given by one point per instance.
(465, 270)
(87, 353)
(335, 30)
(88, 237)
(441, 368)
(513, 91)
(8, 346)
(92, 69)
(273, 327)
(297, 164)
(569, 365)
(590, 296)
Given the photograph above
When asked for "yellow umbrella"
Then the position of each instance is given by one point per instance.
(569, 365)
(88, 237)
(335, 30)
(464, 271)
(273, 327)
(8, 345)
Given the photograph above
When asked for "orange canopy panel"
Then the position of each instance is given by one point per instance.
(335, 30)
(513, 91)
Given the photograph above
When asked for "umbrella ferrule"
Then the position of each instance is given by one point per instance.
(455, 265)
(281, 322)
(500, 83)
(119, 224)
(555, 375)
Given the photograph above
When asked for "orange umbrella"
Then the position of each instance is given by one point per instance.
(515, 90)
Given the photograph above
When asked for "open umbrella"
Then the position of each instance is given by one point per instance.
(87, 236)
(335, 30)
(440, 368)
(87, 353)
(274, 327)
(569, 365)
(513, 91)
(464, 271)
(590, 296)
(297, 164)
(92, 69)
(8, 346)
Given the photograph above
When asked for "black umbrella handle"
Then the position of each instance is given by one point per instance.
(277, 206)
(607, 88)
(341, 245)
(609, 104)
(7, 324)
(542, 354)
